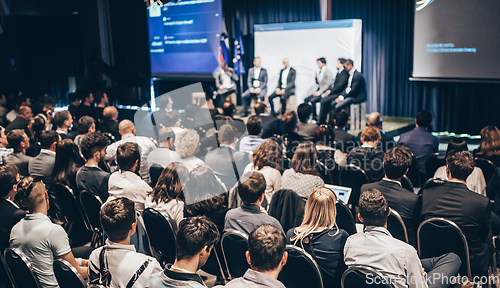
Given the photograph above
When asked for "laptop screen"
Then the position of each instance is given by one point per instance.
(343, 193)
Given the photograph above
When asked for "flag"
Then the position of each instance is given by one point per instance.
(238, 50)
(224, 43)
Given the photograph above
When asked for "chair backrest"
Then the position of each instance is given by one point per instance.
(234, 245)
(300, 270)
(414, 172)
(437, 236)
(432, 163)
(161, 233)
(69, 205)
(487, 167)
(344, 219)
(396, 226)
(406, 183)
(354, 177)
(360, 276)
(67, 276)
(324, 173)
(154, 173)
(92, 208)
(6, 279)
(21, 269)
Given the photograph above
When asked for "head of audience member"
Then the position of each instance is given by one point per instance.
(341, 119)
(220, 120)
(320, 212)
(126, 127)
(267, 250)
(321, 62)
(286, 63)
(49, 104)
(38, 124)
(25, 112)
(304, 111)
(170, 184)
(254, 126)
(172, 119)
(3, 138)
(101, 98)
(375, 120)
(268, 153)
(490, 141)
(397, 162)
(93, 147)
(63, 120)
(227, 135)
(204, 193)
(373, 208)
(87, 98)
(370, 136)
(110, 113)
(252, 188)
(128, 157)
(22, 100)
(166, 138)
(228, 108)
(9, 176)
(349, 65)
(304, 159)
(67, 160)
(260, 108)
(86, 124)
(256, 62)
(74, 99)
(325, 135)
(195, 239)
(423, 119)
(18, 140)
(49, 139)
(118, 220)
(290, 122)
(33, 194)
(459, 165)
(188, 143)
(340, 63)
(456, 145)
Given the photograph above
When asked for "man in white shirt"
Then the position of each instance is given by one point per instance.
(127, 130)
(4, 152)
(118, 218)
(125, 182)
(254, 129)
(286, 87)
(257, 84)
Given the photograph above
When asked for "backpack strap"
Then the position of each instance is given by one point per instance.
(138, 273)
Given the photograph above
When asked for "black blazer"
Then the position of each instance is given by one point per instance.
(470, 211)
(9, 216)
(271, 126)
(18, 123)
(358, 88)
(290, 80)
(221, 162)
(308, 130)
(340, 83)
(110, 126)
(262, 79)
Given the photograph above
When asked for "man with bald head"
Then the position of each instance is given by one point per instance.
(386, 142)
(22, 120)
(127, 131)
(286, 87)
(109, 124)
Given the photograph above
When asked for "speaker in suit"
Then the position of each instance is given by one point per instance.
(10, 214)
(324, 82)
(255, 81)
(354, 93)
(338, 86)
(21, 160)
(285, 86)
(271, 126)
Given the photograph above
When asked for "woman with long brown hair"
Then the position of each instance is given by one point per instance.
(490, 145)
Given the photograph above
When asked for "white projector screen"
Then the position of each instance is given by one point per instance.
(303, 43)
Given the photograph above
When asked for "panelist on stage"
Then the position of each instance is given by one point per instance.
(356, 88)
(286, 87)
(225, 80)
(257, 84)
(324, 79)
(338, 86)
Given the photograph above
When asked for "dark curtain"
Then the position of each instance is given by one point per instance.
(387, 65)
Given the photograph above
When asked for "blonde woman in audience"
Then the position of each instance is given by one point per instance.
(490, 145)
(187, 145)
(167, 196)
(320, 236)
(267, 161)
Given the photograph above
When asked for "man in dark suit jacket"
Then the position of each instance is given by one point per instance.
(18, 140)
(306, 130)
(43, 164)
(338, 86)
(355, 91)
(469, 210)
(224, 159)
(396, 163)
(286, 87)
(10, 213)
(386, 142)
(109, 123)
(257, 85)
(270, 125)
(22, 120)
(344, 141)
(291, 139)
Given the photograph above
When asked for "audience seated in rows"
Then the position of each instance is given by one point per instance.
(164, 154)
(250, 215)
(187, 145)
(345, 142)
(254, 128)
(63, 121)
(86, 125)
(119, 222)
(396, 164)
(21, 121)
(20, 141)
(4, 151)
(489, 148)
(270, 124)
(290, 139)
(386, 142)
(306, 129)
(266, 256)
(303, 177)
(10, 213)
(67, 163)
(324, 137)
(109, 123)
(368, 157)
(320, 236)
(395, 259)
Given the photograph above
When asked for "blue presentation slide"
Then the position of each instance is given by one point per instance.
(184, 37)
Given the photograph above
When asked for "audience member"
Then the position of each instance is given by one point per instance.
(270, 124)
(250, 215)
(324, 137)
(43, 164)
(127, 130)
(21, 121)
(4, 151)
(395, 259)
(167, 196)
(86, 108)
(267, 161)
(3, 110)
(475, 181)
(229, 110)
(187, 145)
(290, 139)
(303, 177)
(266, 256)
(18, 140)
(164, 154)
(195, 239)
(90, 177)
(74, 104)
(101, 101)
(469, 210)
(420, 141)
(109, 123)
(396, 164)
(68, 162)
(10, 213)
(306, 129)
(63, 121)
(489, 148)
(254, 128)
(320, 235)
(368, 157)
(386, 142)
(20, 101)
(86, 125)
(38, 238)
(125, 267)
(126, 182)
(37, 125)
(344, 141)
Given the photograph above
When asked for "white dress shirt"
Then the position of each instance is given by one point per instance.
(321, 73)
(284, 77)
(349, 82)
(129, 185)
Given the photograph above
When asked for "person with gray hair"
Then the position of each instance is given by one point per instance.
(187, 145)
